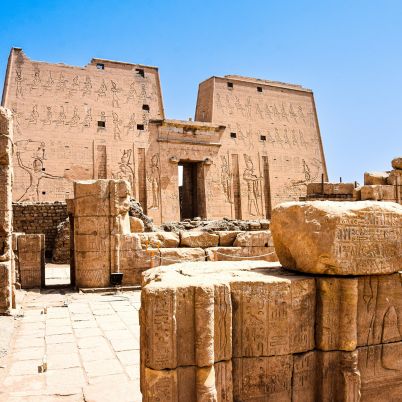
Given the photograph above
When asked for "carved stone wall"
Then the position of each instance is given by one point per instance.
(247, 331)
(255, 144)
(7, 269)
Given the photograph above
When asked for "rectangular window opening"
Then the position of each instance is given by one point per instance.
(145, 107)
(101, 124)
(233, 135)
(140, 72)
(230, 85)
(259, 89)
(140, 127)
(100, 66)
(263, 137)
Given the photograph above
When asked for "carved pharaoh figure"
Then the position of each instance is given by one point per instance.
(253, 182)
(226, 180)
(154, 178)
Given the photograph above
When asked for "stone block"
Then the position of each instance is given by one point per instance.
(358, 311)
(130, 242)
(395, 177)
(185, 324)
(375, 178)
(261, 238)
(14, 240)
(339, 238)
(143, 259)
(226, 238)
(159, 239)
(330, 189)
(136, 225)
(31, 259)
(170, 256)
(397, 163)
(263, 378)
(92, 225)
(119, 198)
(198, 239)
(273, 314)
(5, 287)
(189, 384)
(241, 253)
(91, 198)
(92, 269)
(378, 193)
(6, 137)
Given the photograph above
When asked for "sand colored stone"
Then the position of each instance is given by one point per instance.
(339, 238)
(397, 163)
(254, 239)
(136, 225)
(160, 239)
(198, 239)
(375, 178)
(377, 193)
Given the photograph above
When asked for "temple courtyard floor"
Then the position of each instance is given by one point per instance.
(87, 346)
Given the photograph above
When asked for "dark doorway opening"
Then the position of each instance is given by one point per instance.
(191, 190)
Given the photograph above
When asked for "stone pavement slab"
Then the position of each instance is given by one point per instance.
(89, 341)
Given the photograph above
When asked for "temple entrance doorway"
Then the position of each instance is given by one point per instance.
(191, 190)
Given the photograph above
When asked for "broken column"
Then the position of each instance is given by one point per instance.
(7, 276)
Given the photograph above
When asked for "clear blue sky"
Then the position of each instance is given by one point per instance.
(348, 52)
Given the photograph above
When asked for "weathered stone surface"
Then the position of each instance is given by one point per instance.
(339, 238)
(170, 256)
(6, 137)
(395, 177)
(397, 163)
(5, 287)
(381, 372)
(160, 239)
(198, 239)
(226, 238)
(261, 238)
(378, 193)
(31, 260)
(375, 178)
(189, 384)
(136, 225)
(61, 250)
(241, 253)
(330, 189)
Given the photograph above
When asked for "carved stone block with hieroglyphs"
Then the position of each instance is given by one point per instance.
(339, 238)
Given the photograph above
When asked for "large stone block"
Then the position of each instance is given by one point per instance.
(170, 256)
(5, 287)
(261, 238)
(375, 178)
(339, 238)
(91, 198)
(92, 269)
(185, 324)
(395, 177)
(273, 314)
(358, 311)
(159, 239)
(227, 237)
(397, 163)
(189, 384)
(241, 253)
(136, 225)
(199, 239)
(31, 260)
(378, 193)
(6, 136)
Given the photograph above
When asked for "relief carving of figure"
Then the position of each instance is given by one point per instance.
(115, 91)
(132, 93)
(88, 118)
(18, 83)
(36, 172)
(61, 83)
(226, 179)
(33, 117)
(132, 125)
(87, 86)
(116, 126)
(49, 83)
(154, 179)
(16, 116)
(48, 120)
(102, 90)
(126, 170)
(75, 118)
(36, 81)
(62, 117)
(253, 186)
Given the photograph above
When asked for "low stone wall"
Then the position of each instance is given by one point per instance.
(40, 218)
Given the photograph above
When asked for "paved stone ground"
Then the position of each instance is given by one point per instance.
(91, 342)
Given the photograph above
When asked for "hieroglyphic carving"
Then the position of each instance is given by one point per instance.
(253, 186)
(61, 119)
(154, 179)
(61, 83)
(126, 168)
(116, 126)
(18, 82)
(33, 117)
(87, 88)
(102, 90)
(132, 124)
(32, 150)
(88, 118)
(132, 93)
(114, 90)
(48, 119)
(226, 179)
(75, 119)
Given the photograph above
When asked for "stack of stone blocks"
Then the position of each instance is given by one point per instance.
(378, 186)
(326, 326)
(7, 273)
(105, 242)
